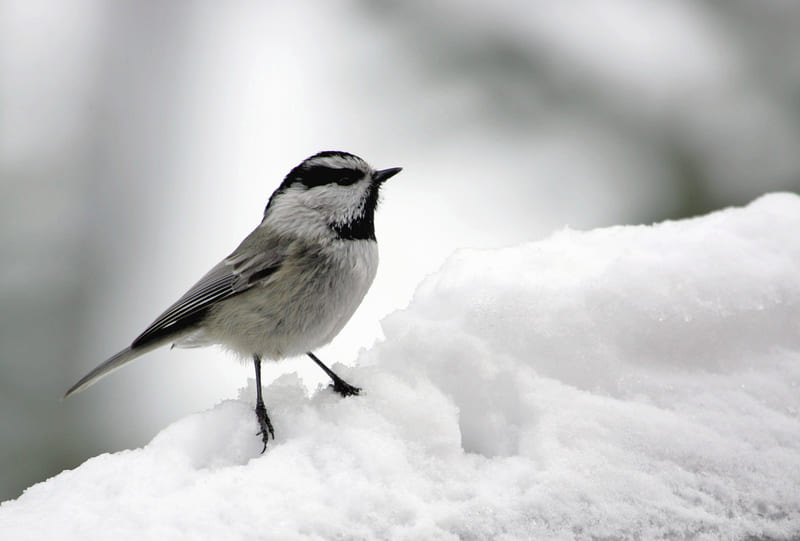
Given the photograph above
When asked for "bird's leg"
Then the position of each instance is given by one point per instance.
(261, 410)
(339, 385)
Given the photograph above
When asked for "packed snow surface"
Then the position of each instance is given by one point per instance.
(630, 382)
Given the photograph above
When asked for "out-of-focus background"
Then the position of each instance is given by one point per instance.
(139, 142)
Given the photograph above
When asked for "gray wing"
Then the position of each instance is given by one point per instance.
(254, 261)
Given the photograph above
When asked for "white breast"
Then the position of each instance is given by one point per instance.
(360, 266)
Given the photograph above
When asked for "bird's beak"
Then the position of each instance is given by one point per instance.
(385, 174)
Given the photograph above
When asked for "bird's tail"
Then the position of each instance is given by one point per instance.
(117, 361)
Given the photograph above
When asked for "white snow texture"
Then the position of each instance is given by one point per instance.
(636, 382)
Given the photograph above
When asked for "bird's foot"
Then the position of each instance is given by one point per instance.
(265, 424)
(345, 389)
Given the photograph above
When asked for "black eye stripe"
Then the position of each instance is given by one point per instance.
(349, 176)
(320, 175)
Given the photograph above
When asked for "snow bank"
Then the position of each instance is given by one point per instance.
(637, 382)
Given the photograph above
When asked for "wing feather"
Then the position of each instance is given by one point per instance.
(242, 270)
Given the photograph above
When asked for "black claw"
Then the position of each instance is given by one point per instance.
(265, 424)
(345, 389)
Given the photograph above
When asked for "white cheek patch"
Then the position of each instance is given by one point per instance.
(340, 204)
(300, 209)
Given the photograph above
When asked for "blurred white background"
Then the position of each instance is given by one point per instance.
(140, 140)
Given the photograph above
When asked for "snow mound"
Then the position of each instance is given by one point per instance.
(629, 382)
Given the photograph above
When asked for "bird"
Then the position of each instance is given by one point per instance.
(290, 286)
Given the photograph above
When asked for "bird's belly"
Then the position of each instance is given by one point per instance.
(298, 309)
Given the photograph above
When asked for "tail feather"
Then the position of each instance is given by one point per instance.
(117, 361)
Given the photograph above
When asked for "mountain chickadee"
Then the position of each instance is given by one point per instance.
(292, 283)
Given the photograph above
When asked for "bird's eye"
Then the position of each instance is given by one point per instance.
(346, 177)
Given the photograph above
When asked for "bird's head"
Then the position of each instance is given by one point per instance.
(331, 191)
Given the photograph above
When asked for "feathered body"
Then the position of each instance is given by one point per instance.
(297, 309)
